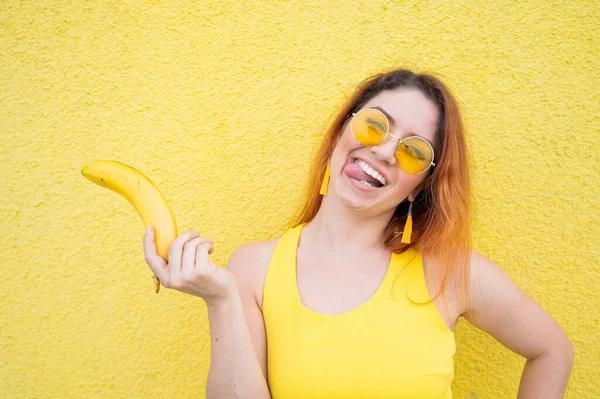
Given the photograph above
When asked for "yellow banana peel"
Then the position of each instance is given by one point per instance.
(143, 194)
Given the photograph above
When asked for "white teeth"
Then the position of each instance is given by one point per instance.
(366, 183)
(371, 172)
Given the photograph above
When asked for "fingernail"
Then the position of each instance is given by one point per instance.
(148, 229)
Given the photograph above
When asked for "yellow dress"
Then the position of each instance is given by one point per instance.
(395, 345)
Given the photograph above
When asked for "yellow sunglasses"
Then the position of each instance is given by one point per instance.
(370, 126)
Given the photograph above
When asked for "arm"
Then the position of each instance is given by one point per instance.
(499, 308)
(238, 340)
(238, 344)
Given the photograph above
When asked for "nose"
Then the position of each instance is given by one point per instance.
(386, 150)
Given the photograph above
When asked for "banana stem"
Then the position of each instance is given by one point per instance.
(156, 284)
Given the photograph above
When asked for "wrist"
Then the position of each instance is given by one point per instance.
(224, 302)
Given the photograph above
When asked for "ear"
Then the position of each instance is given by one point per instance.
(414, 193)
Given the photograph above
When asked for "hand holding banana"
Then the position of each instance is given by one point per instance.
(188, 269)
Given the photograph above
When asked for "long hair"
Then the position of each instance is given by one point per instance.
(442, 210)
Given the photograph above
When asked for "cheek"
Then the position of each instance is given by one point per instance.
(346, 142)
(407, 184)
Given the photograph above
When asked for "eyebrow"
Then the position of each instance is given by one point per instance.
(392, 121)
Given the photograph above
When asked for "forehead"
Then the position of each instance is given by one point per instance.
(411, 111)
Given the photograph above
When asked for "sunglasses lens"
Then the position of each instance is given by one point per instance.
(369, 127)
(414, 155)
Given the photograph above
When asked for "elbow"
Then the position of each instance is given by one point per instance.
(562, 353)
(567, 357)
(559, 351)
(566, 350)
(569, 353)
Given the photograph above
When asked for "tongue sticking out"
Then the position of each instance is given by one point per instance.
(354, 171)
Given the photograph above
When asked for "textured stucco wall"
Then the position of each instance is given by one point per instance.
(221, 103)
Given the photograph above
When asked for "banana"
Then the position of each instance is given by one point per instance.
(143, 194)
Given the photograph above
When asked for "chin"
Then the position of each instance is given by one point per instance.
(353, 200)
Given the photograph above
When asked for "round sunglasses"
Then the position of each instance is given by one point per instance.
(414, 154)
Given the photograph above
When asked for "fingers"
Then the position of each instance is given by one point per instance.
(202, 252)
(182, 257)
(153, 259)
(189, 251)
(201, 263)
(176, 252)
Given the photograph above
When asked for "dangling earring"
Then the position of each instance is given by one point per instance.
(325, 183)
(407, 227)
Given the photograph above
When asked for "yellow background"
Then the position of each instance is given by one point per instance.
(222, 103)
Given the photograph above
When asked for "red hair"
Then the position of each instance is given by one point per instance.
(442, 210)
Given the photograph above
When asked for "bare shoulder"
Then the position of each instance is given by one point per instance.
(500, 308)
(249, 263)
(488, 282)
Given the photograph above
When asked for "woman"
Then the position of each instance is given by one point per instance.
(360, 296)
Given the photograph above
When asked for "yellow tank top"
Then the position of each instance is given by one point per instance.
(395, 345)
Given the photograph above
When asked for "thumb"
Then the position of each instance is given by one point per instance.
(152, 257)
(149, 235)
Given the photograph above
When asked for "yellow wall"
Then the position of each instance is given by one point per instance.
(221, 103)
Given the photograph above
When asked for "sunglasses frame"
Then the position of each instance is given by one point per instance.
(400, 141)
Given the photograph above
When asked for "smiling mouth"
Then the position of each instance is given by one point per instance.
(375, 179)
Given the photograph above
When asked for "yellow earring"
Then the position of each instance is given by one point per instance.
(325, 183)
(407, 227)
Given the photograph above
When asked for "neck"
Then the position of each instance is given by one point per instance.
(341, 229)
